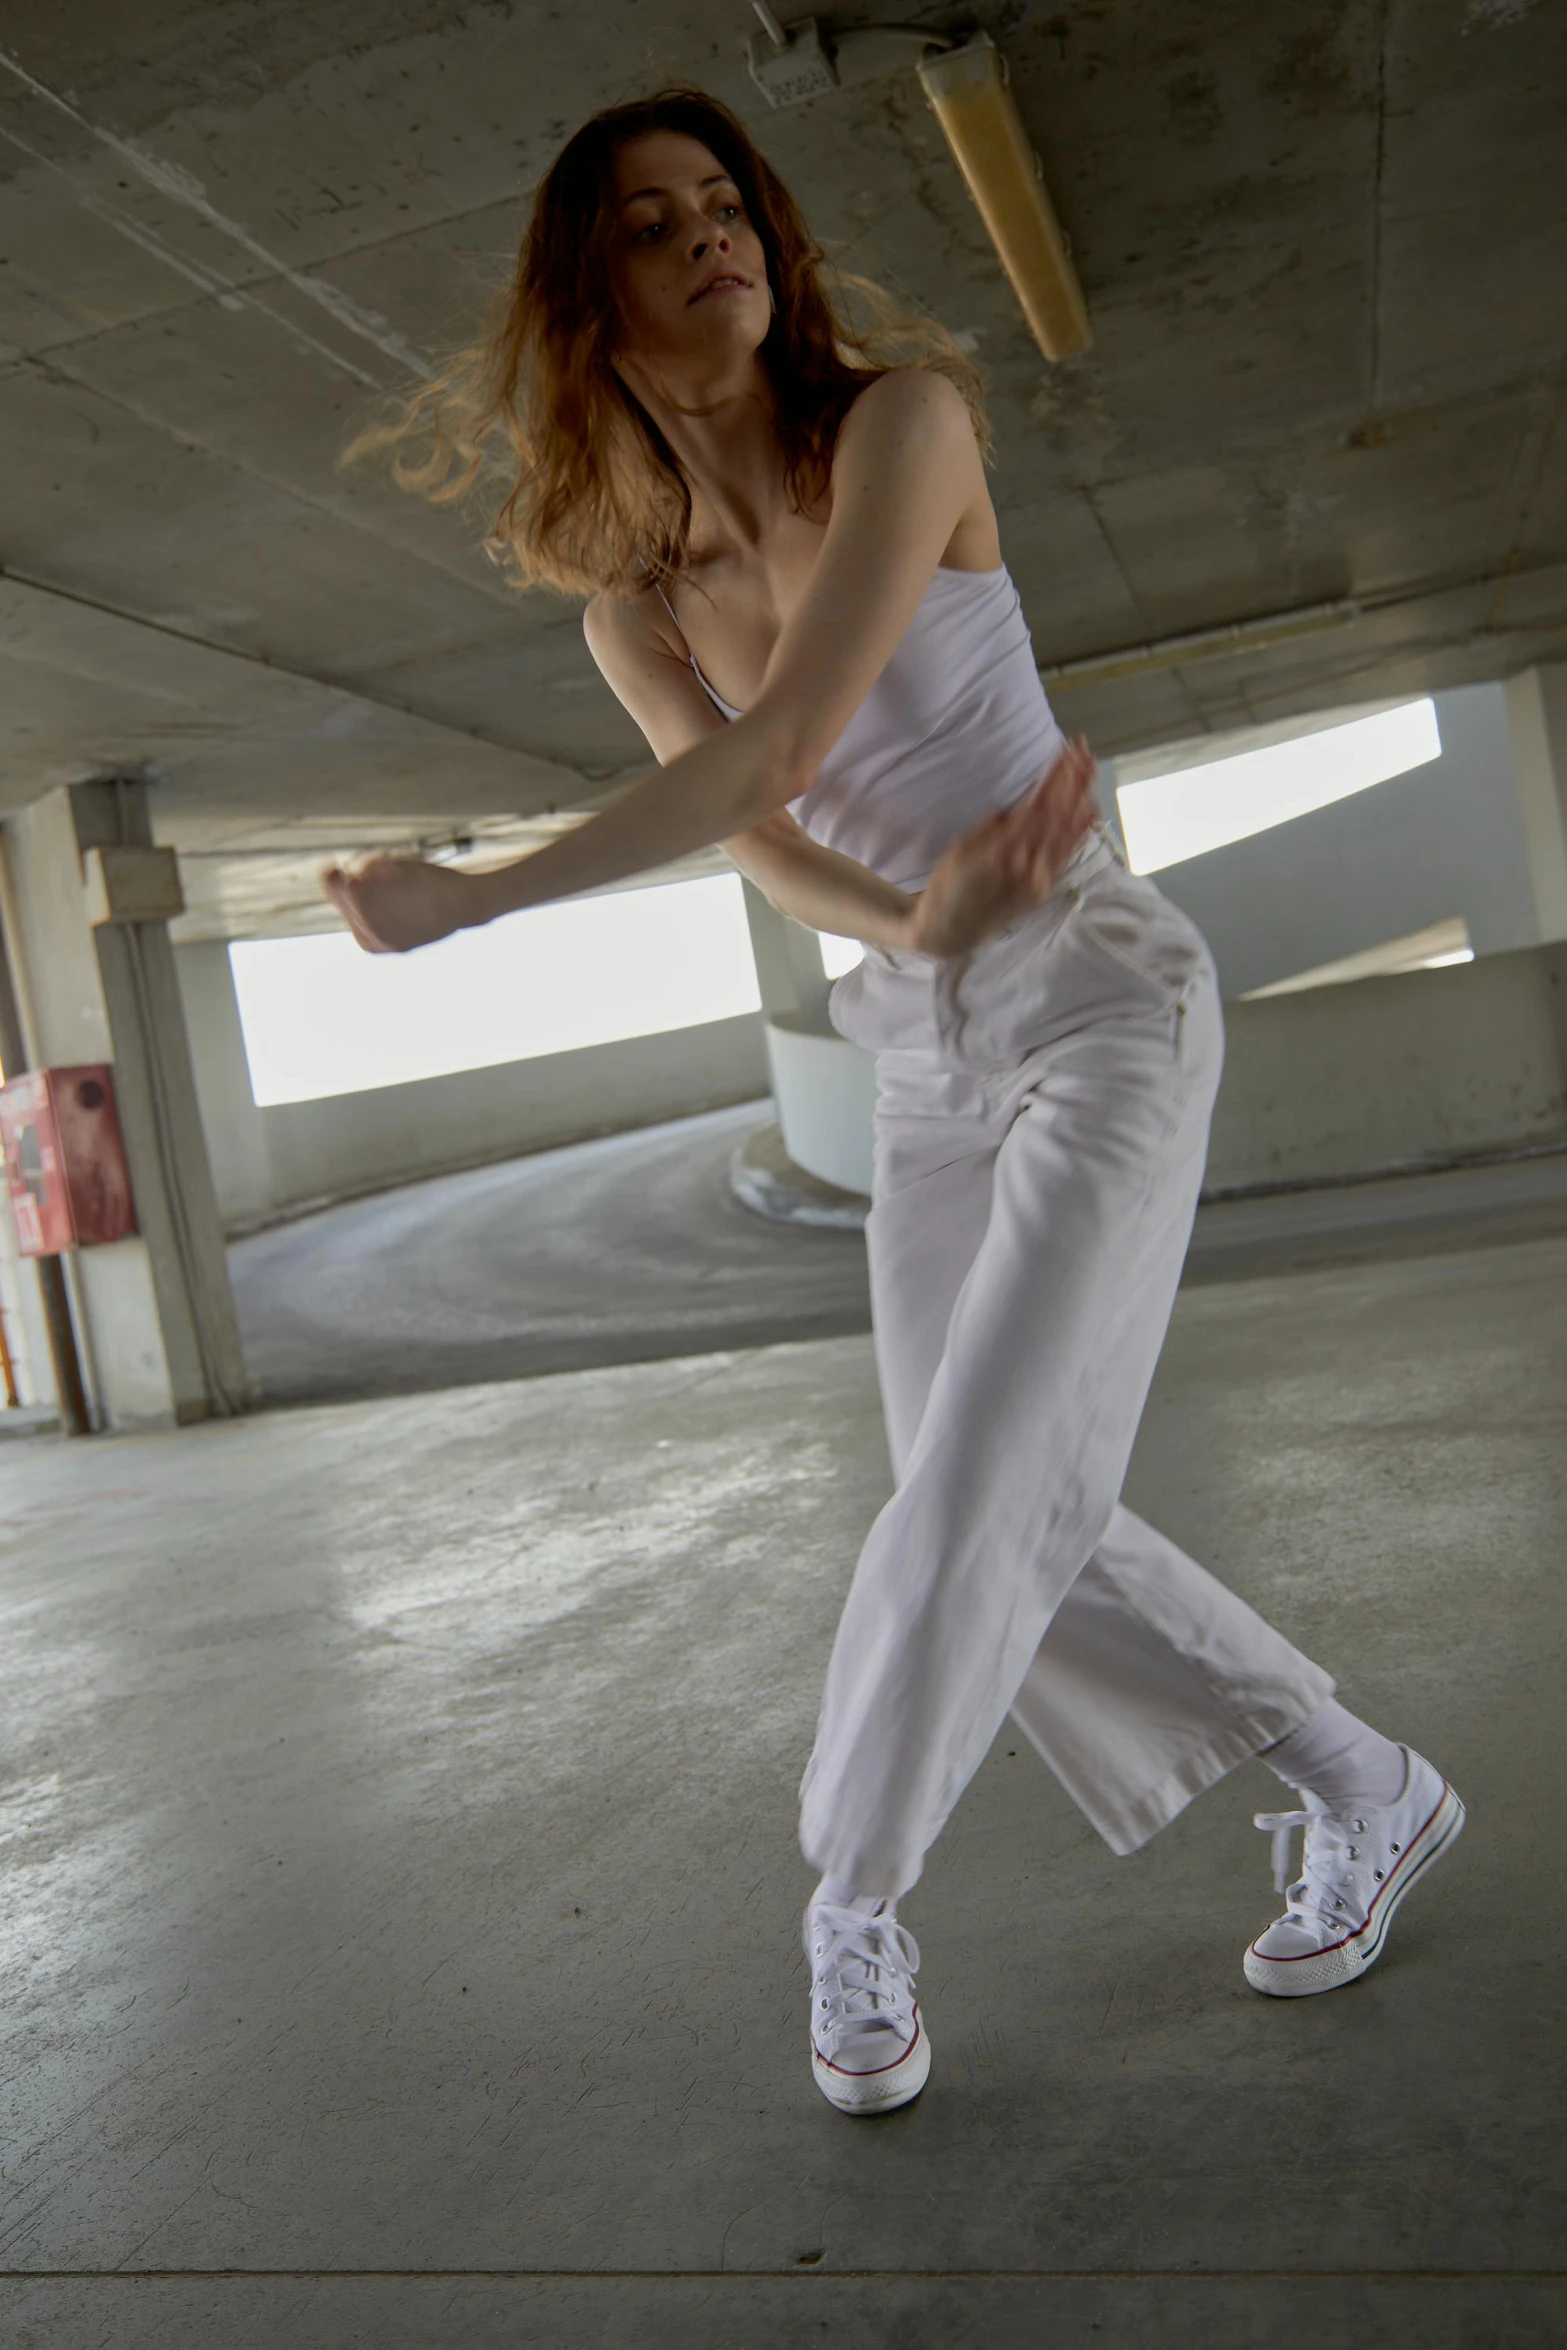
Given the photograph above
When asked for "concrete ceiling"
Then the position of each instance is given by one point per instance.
(1324, 248)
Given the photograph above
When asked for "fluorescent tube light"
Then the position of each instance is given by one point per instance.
(967, 88)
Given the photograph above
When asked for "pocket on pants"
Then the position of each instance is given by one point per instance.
(910, 1004)
(1149, 946)
(1110, 947)
(1119, 949)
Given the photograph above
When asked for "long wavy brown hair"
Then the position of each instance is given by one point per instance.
(592, 497)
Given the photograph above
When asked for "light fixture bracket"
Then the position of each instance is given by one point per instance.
(799, 70)
(967, 81)
(793, 63)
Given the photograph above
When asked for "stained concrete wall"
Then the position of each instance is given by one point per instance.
(1384, 1073)
(360, 1141)
(1416, 1070)
(289, 1153)
(1410, 1071)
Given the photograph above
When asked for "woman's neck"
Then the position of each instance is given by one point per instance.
(724, 439)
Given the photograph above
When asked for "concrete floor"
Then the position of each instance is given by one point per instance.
(633, 1247)
(401, 1933)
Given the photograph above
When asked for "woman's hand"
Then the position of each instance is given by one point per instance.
(394, 903)
(1008, 862)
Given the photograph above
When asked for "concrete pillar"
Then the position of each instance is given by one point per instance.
(154, 1314)
(823, 1086)
(1537, 725)
(236, 1130)
(789, 967)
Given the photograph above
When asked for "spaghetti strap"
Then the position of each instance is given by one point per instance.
(658, 587)
(724, 709)
(670, 609)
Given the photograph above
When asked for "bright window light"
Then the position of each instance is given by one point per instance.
(1167, 818)
(322, 1017)
(1439, 944)
(840, 954)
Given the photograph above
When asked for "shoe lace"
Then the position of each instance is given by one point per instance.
(862, 1970)
(1330, 1889)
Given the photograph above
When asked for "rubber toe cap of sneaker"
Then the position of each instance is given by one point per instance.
(1285, 1939)
(879, 2091)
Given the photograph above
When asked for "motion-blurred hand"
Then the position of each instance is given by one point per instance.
(394, 903)
(1008, 862)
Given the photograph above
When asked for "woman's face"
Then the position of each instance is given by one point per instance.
(690, 272)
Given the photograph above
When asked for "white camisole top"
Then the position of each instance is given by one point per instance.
(956, 726)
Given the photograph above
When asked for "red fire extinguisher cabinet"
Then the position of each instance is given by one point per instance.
(64, 1160)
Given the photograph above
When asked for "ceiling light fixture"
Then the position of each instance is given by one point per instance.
(969, 92)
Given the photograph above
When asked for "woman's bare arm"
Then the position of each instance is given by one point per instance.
(991, 873)
(821, 887)
(649, 671)
(904, 473)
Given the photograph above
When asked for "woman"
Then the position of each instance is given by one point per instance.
(797, 591)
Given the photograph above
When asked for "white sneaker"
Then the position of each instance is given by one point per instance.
(1355, 1871)
(868, 2046)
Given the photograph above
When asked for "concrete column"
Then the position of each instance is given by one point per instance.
(155, 1314)
(1537, 725)
(823, 1086)
(789, 967)
(236, 1130)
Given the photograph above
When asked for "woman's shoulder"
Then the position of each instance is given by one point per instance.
(913, 395)
(910, 427)
(621, 624)
(904, 424)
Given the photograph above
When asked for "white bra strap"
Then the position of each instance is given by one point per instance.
(696, 670)
(670, 609)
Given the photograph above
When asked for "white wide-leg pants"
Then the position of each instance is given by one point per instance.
(1041, 1129)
